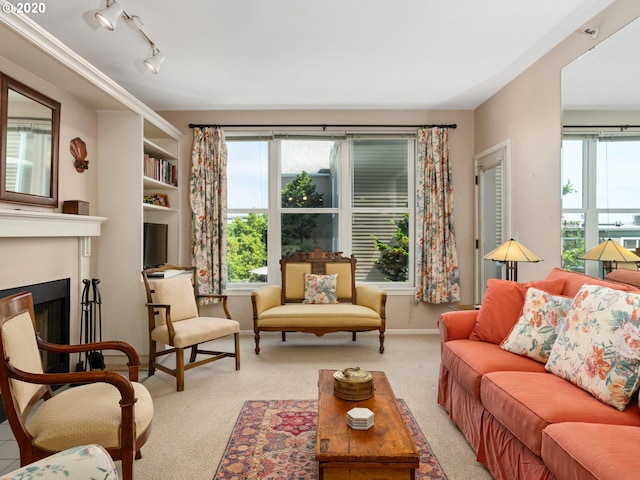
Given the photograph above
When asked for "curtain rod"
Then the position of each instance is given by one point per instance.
(324, 126)
(621, 127)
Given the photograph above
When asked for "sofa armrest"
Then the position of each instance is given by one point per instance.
(373, 297)
(265, 298)
(456, 325)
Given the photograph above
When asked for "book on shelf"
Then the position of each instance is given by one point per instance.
(162, 170)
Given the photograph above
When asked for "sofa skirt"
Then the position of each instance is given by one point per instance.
(505, 456)
(464, 409)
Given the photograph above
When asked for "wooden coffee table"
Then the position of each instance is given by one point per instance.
(385, 451)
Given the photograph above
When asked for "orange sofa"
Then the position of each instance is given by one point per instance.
(522, 421)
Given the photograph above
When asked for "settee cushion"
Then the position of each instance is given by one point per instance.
(296, 315)
(574, 280)
(320, 288)
(501, 307)
(468, 360)
(526, 402)
(598, 346)
(586, 451)
(535, 332)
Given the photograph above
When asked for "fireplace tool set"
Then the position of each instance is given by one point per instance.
(91, 325)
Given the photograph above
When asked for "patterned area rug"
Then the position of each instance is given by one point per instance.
(275, 440)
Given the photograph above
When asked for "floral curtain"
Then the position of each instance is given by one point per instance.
(208, 196)
(437, 276)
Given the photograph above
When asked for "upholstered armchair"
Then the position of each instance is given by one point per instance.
(103, 407)
(174, 320)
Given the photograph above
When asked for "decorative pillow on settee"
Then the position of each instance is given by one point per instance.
(535, 332)
(320, 288)
(502, 305)
(598, 344)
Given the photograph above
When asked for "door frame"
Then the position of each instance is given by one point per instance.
(499, 154)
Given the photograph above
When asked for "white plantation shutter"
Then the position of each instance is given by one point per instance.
(379, 196)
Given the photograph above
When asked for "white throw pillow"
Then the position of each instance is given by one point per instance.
(535, 332)
(598, 344)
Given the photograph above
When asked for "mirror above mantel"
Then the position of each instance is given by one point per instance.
(30, 126)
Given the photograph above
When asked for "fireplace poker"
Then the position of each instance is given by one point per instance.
(86, 307)
(96, 358)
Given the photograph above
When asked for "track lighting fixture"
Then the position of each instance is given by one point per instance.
(155, 60)
(108, 18)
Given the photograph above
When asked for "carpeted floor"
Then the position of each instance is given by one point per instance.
(191, 428)
(275, 439)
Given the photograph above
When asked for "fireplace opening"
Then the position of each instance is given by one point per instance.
(52, 306)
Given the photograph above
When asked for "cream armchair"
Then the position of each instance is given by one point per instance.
(103, 407)
(174, 320)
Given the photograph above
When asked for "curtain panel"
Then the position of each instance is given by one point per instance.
(437, 276)
(208, 198)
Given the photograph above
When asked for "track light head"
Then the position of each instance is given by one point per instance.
(153, 62)
(108, 17)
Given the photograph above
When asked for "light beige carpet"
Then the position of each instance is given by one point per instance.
(191, 428)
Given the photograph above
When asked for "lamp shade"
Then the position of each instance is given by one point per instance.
(153, 63)
(108, 17)
(610, 251)
(512, 251)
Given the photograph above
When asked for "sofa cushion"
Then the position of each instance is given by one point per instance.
(501, 307)
(598, 345)
(468, 360)
(587, 451)
(623, 275)
(320, 288)
(535, 332)
(526, 402)
(574, 280)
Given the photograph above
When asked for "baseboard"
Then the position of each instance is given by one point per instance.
(393, 331)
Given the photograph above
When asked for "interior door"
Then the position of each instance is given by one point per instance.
(493, 200)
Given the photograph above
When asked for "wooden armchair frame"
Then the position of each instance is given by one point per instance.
(153, 309)
(130, 440)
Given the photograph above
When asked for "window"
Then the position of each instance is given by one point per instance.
(296, 194)
(599, 177)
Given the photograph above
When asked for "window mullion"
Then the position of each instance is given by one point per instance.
(345, 201)
(274, 231)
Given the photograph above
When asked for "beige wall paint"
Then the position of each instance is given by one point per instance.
(528, 111)
(402, 311)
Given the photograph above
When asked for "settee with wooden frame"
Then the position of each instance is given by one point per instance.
(283, 308)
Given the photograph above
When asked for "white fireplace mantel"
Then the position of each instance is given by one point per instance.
(29, 223)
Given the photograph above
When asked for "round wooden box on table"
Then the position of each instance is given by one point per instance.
(353, 384)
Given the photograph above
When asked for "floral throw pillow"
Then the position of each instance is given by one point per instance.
(535, 332)
(598, 344)
(320, 288)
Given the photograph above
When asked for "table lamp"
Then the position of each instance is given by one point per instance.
(610, 253)
(510, 253)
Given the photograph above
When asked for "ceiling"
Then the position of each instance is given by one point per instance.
(329, 54)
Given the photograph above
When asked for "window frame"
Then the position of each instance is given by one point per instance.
(590, 210)
(345, 209)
